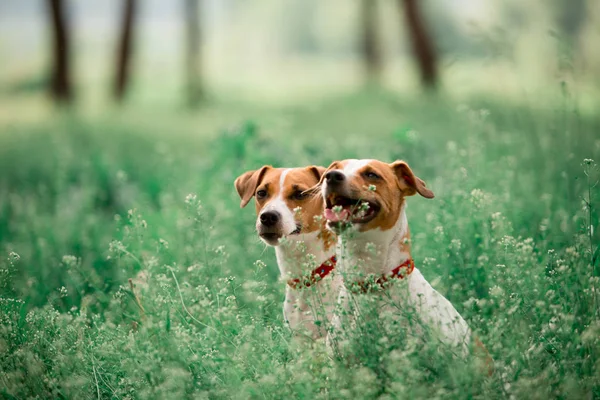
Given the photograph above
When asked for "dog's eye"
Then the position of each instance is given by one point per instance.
(371, 175)
(261, 194)
(299, 195)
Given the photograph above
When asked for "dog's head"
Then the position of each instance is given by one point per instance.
(368, 194)
(283, 205)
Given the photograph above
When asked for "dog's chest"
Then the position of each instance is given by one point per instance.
(311, 308)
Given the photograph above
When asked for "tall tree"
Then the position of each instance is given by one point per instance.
(193, 34)
(370, 48)
(422, 46)
(60, 81)
(125, 48)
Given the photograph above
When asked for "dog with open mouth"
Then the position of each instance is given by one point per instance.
(365, 204)
(289, 218)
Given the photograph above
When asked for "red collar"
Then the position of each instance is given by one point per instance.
(315, 276)
(400, 272)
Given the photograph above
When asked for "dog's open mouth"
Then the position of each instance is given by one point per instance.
(344, 209)
(297, 230)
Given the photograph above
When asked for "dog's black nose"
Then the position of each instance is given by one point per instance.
(334, 177)
(269, 218)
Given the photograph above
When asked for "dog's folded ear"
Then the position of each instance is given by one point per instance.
(247, 183)
(317, 171)
(410, 184)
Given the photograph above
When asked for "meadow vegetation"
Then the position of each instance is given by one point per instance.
(128, 270)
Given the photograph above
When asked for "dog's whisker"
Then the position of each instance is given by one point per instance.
(313, 190)
(264, 249)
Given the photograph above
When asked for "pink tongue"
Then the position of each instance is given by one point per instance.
(336, 217)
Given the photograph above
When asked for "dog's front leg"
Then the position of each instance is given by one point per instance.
(439, 314)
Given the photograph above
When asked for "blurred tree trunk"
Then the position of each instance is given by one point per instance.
(193, 33)
(571, 17)
(60, 81)
(422, 46)
(371, 52)
(125, 49)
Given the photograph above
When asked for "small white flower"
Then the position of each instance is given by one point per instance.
(62, 291)
(69, 260)
(429, 261)
(190, 198)
(230, 299)
(121, 176)
(496, 291)
(116, 246)
(456, 244)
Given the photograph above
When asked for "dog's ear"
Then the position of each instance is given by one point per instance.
(317, 171)
(247, 183)
(410, 184)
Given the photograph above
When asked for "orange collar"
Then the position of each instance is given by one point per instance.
(315, 276)
(367, 285)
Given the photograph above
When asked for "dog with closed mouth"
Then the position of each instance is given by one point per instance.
(289, 218)
(365, 204)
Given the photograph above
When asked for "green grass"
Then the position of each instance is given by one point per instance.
(86, 204)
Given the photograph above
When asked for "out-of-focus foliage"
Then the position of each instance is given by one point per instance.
(279, 50)
(87, 205)
(127, 269)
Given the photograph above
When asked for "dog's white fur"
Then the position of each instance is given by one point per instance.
(297, 255)
(377, 251)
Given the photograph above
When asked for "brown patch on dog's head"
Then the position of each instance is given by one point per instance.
(380, 187)
(284, 204)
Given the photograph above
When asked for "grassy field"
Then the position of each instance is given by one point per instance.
(87, 203)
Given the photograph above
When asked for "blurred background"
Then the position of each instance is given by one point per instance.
(171, 52)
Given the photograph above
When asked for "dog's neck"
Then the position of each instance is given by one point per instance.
(300, 254)
(375, 251)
